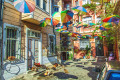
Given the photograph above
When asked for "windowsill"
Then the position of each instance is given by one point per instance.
(43, 10)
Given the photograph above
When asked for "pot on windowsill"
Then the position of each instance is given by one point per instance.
(11, 58)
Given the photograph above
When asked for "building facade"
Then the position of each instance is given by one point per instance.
(91, 17)
(26, 40)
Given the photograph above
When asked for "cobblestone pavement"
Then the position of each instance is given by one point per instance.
(78, 70)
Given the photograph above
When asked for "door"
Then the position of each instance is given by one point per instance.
(99, 48)
(33, 52)
(30, 52)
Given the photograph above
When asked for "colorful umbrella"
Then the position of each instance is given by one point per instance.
(102, 28)
(24, 6)
(92, 24)
(43, 23)
(55, 18)
(112, 18)
(85, 25)
(107, 25)
(79, 8)
(66, 16)
(61, 27)
(65, 31)
(59, 30)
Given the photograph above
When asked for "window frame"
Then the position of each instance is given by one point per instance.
(87, 19)
(50, 54)
(84, 40)
(44, 6)
(77, 3)
(5, 38)
(39, 3)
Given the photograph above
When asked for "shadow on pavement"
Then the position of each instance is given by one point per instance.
(91, 73)
(62, 75)
(79, 66)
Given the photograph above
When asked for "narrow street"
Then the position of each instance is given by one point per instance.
(77, 70)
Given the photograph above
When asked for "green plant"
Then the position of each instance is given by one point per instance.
(88, 49)
(91, 6)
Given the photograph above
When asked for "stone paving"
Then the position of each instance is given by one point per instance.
(78, 70)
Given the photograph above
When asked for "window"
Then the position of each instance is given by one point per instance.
(51, 45)
(67, 7)
(98, 20)
(84, 43)
(33, 34)
(56, 9)
(38, 3)
(12, 42)
(86, 2)
(44, 5)
(87, 20)
(76, 3)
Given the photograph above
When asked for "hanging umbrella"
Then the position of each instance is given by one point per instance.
(102, 28)
(61, 27)
(92, 24)
(112, 18)
(48, 20)
(66, 16)
(55, 18)
(43, 23)
(107, 25)
(65, 31)
(59, 30)
(24, 6)
(85, 25)
(79, 8)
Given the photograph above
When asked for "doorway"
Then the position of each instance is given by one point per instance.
(34, 47)
(99, 48)
(33, 51)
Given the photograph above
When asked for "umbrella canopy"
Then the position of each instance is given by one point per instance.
(66, 16)
(79, 8)
(43, 23)
(107, 25)
(24, 6)
(112, 18)
(55, 18)
(102, 28)
(61, 27)
(92, 24)
(65, 31)
(85, 25)
(59, 30)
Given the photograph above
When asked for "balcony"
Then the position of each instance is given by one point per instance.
(36, 16)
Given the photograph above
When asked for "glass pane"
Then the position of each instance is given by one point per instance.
(11, 45)
(28, 33)
(44, 5)
(36, 34)
(38, 3)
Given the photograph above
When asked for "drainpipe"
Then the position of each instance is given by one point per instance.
(1, 24)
